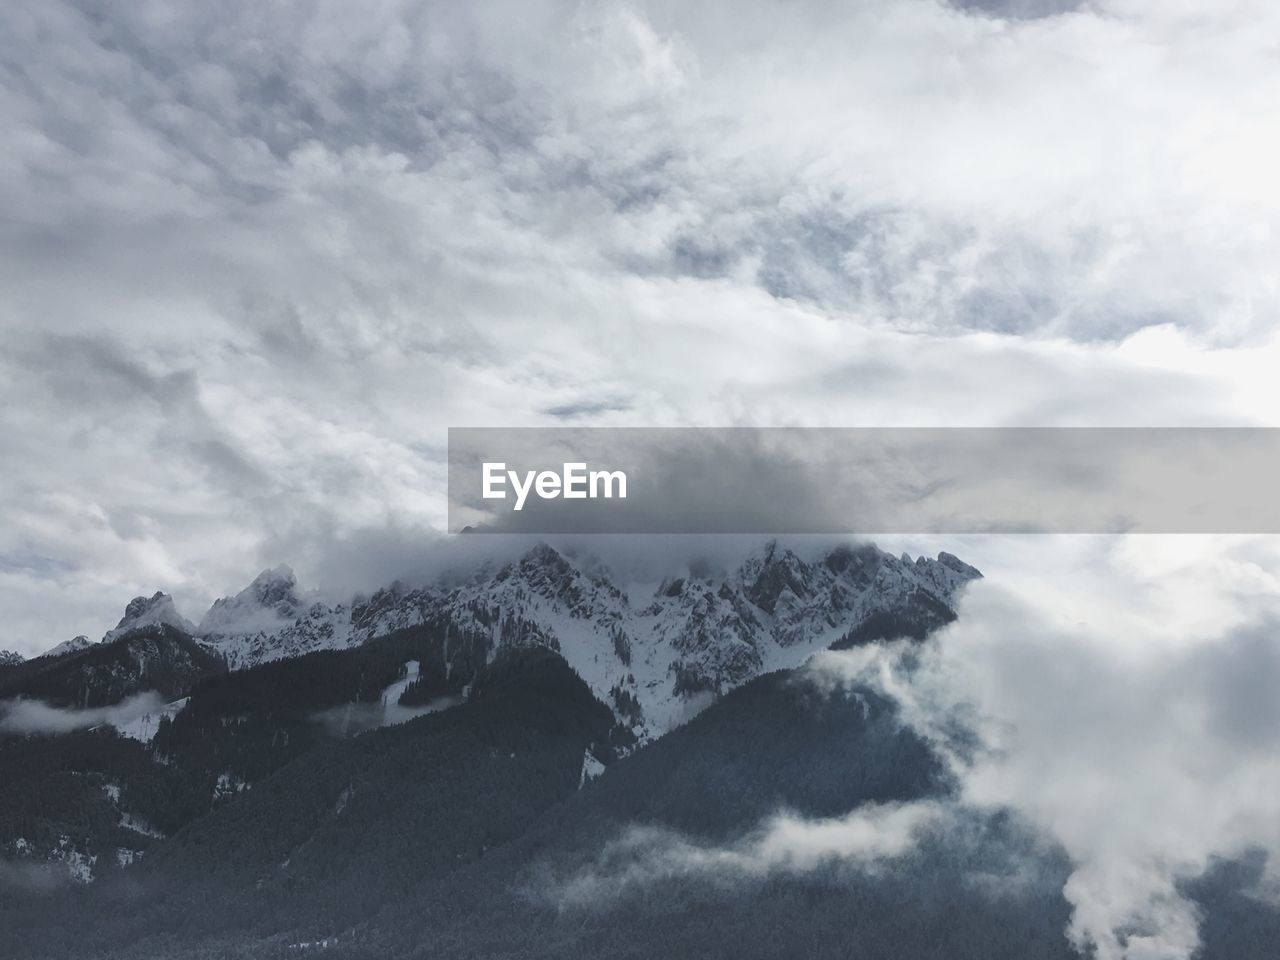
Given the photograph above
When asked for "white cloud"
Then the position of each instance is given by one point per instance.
(36, 716)
(256, 262)
(866, 838)
(1124, 700)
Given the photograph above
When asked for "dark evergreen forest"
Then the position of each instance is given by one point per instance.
(459, 833)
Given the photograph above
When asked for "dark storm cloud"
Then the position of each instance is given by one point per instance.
(1019, 9)
(586, 408)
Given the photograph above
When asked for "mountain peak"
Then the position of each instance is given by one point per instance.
(9, 658)
(73, 645)
(954, 563)
(144, 612)
(541, 564)
(767, 577)
(275, 585)
(698, 633)
(543, 554)
(267, 603)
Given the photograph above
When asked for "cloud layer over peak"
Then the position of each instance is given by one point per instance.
(257, 260)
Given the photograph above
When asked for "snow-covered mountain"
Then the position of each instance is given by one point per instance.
(152, 649)
(268, 605)
(268, 620)
(655, 653)
(655, 656)
(10, 659)
(143, 612)
(69, 646)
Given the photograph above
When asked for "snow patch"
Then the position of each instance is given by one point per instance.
(324, 944)
(143, 612)
(139, 825)
(228, 786)
(591, 768)
(657, 653)
(74, 645)
(391, 695)
(353, 719)
(143, 728)
(343, 799)
(79, 865)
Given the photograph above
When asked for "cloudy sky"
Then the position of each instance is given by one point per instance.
(255, 258)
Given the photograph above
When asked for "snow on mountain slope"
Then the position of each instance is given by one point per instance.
(655, 657)
(144, 726)
(143, 612)
(10, 659)
(269, 604)
(267, 620)
(68, 646)
(391, 696)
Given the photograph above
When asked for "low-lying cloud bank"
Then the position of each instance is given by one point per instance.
(1139, 731)
(22, 877)
(867, 837)
(36, 716)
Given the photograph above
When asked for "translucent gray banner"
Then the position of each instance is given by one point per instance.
(928, 480)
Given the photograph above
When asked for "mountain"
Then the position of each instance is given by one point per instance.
(471, 833)
(267, 606)
(150, 655)
(267, 620)
(140, 613)
(309, 674)
(656, 656)
(653, 858)
(466, 770)
(74, 645)
(406, 801)
(187, 758)
(10, 659)
(154, 611)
